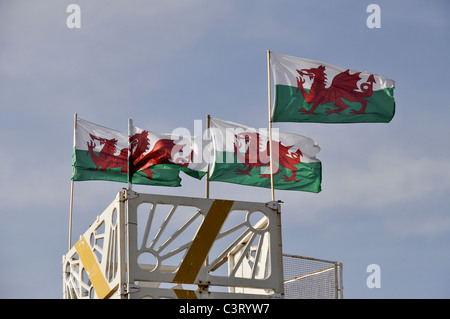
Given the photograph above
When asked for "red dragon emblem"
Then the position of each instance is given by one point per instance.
(286, 156)
(107, 159)
(343, 87)
(162, 153)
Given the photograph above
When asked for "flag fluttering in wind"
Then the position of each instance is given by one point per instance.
(101, 153)
(242, 156)
(185, 153)
(312, 91)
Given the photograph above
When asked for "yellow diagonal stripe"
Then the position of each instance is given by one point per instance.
(93, 270)
(203, 241)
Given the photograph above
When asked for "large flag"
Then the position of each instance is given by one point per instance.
(242, 156)
(312, 91)
(101, 153)
(189, 154)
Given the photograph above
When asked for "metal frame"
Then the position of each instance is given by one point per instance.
(221, 249)
(197, 261)
(95, 266)
(158, 246)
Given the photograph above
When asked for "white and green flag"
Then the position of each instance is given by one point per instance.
(242, 156)
(184, 153)
(313, 91)
(101, 153)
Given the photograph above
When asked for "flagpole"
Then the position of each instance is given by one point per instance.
(208, 125)
(71, 184)
(130, 125)
(269, 87)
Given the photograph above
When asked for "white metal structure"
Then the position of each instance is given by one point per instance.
(156, 246)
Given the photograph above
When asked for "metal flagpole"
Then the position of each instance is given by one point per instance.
(130, 175)
(71, 184)
(269, 87)
(208, 124)
(208, 135)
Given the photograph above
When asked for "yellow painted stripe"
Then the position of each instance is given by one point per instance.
(93, 270)
(185, 294)
(203, 241)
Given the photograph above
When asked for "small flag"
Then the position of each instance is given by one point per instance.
(101, 153)
(189, 154)
(312, 91)
(242, 156)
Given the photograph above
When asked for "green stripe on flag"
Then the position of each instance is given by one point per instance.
(84, 169)
(288, 102)
(308, 175)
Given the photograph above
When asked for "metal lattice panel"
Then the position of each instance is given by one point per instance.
(311, 278)
(203, 242)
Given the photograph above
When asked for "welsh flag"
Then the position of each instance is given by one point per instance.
(155, 150)
(312, 91)
(242, 156)
(101, 153)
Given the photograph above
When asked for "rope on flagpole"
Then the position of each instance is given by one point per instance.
(269, 87)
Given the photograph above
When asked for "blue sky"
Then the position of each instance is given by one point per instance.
(386, 187)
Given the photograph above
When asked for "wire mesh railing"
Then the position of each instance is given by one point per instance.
(311, 278)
